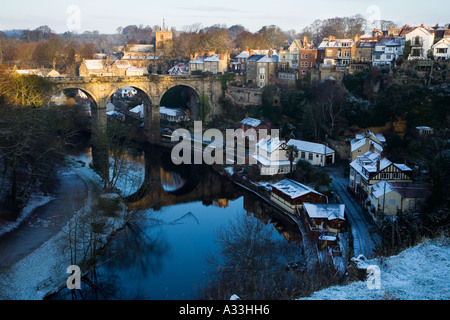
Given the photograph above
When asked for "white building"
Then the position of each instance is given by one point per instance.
(441, 49)
(315, 153)
(270, 157)
(421, 40)
(289, 56)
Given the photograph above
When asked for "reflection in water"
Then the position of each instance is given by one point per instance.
(186, 244)
(251, 263)
(171, 181)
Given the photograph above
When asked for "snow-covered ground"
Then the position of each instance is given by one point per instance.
(418, 273)
(45, 270)
(35, 202)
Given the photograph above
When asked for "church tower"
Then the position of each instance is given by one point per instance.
(162, 35)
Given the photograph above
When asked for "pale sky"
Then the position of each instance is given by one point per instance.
(107, 16)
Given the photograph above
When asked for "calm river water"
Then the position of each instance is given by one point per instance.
(181, 212)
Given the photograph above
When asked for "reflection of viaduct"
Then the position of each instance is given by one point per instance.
(201, 184)
(151, 88)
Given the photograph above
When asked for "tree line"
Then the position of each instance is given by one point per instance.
(42, 47)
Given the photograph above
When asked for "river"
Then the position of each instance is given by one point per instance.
(196, 235)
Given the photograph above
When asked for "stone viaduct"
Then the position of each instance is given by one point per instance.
(151, 89)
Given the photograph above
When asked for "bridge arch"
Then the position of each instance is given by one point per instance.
(143, 94)
(54, 91)
(182, 96)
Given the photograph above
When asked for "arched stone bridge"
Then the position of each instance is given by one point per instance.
(151, 88)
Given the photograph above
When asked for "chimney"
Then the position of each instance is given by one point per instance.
(371, 148)
(251, 52)
(305, 41)
(270, 53)
(421, 25)
(246, 49)
(222, 57)
(191, 57)
(378, 165)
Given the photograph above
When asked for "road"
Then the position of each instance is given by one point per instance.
(366, 234)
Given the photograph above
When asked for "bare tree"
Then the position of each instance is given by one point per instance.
(332, 101)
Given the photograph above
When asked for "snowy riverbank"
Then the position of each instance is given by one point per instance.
(44, 270)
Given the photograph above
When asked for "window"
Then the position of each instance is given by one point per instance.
(303, 155)
(347, 53)
(306, 56)
(392, 202)
(378, 57)
(441, 50)
(397, 175)
(310, 156)
(385, 175)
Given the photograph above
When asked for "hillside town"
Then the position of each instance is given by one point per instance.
(347, 136)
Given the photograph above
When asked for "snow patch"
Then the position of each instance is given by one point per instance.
(417, 273)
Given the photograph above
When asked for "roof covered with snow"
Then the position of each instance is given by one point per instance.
(95, 64)
(252, 122)
(381, 188)
(355, 144)
(325, 210)
(310, 146)
(293, 188)
(171, 112)
(269, 145)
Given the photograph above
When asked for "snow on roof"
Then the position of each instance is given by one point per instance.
(252, 122)
(213, 58)
(269, 145)
(381, 188)
(355, 144)
(137, 109)
(369, 134)
(325, 210)
(402, 167)
(122, 64)
(171, 112)
(310, 146)
(293, 188)
(94, 64)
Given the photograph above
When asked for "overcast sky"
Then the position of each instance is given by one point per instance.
(107, 16)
